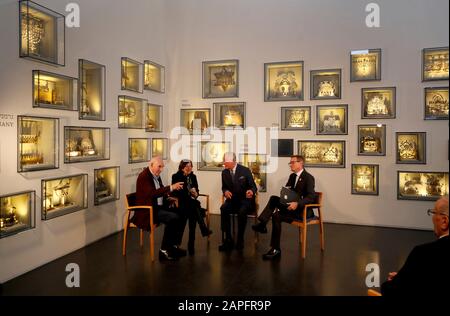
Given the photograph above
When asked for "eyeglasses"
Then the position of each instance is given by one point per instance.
(432, 211)
(292, 162)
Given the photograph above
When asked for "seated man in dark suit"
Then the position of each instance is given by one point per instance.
(425, 272)
(239, 191)
(151, 191)
(299, 181)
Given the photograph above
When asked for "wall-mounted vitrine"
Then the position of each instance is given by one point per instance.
(132, 75)
(139, 150)
(42, 33)
(37, 143)
(160, 148)
(435, 63)
(153, 122)
(154, 77)
(65, 195)
(86, 144)
(195, 121)
(421, 185)
(411, 147)
(54, 91)
(132, 112)
(365, 179)
(92, 90)
(106, 185)
(17, 213)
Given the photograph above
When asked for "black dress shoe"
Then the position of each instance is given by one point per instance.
(260, 228)
(165, 255)
(272, 254)
(178, 252)
(228, 245)
(206, 232)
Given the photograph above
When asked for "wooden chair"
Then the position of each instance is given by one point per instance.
(130, 205)
(371, 292)
(208, 220)
(316, 220)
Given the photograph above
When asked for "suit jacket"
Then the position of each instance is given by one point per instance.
(424, 273)
(243, 182)
(147, 194)
(184, 195)
(305, 186)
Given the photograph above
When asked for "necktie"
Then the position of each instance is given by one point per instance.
(232, 175)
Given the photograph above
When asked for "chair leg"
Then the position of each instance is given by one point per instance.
(256, 233)
(152, 243)
(141, 237)
(305, 229)
(322, 238)
(125, 231)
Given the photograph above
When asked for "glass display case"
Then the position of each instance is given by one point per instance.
(220, 79)
(378, 103)
(154, 120)
(106, 185)
(435, 64)
(54, 91)
(372, 140)
(138, 150)
(65, 195)
(17, 213)
(436, 103)
(365, 179)
(154, 77)
(421, 185)
(283, 81)
(257, 163)
(322, 153)
(132, 75)
(42, 33)
(131, 112)
(86, 144)
(325, 84)
(365, 65)
(411, 147)
(92, 90)
(295, 118)
(160, 147)
(37, 143)
(229, 115)
(195, 121)
(211, 155)
(331, 119)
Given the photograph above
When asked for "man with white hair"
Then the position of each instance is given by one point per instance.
(239, 190)
(426, 270)
(151, 191)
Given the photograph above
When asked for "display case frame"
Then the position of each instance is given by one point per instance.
(416, 188)
(51, 90)
(64, 197)
(281, 147)
(163, 152)
(378, 103)
(295, 118)
(91, 99)
(140, 156)
(34, 155)
(438, 65)
(372, 140)
(203, 120)
(226, 78)
(41, 34)
(159, 71)
(280, 77)
(9, 213)
(213, 158)
(365, 65)
(410, 147)
(131, 115)
(132, 75)
(328, 119)
(327, 88)
(436, 103)
(369, 176)
(257, 163)
(85, 149)
(157, 126)
(229, 115)
(332, 151)
(106, 190)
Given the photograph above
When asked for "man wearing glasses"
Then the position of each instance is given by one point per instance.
(426, 269)
(299, 181)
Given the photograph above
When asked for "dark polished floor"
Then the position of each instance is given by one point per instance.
(340, 270)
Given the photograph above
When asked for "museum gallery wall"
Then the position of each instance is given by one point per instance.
(88, 111)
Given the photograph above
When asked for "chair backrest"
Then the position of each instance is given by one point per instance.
(319, 196)
(131, 199)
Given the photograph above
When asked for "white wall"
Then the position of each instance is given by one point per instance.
(180, 34)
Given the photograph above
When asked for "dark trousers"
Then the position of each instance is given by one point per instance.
(194, 214)
(239, 207)
(174, 226)
(282, 215)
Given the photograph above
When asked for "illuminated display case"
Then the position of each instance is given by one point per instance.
(138, 150)
(322, 153)
(220, 79)
(211, 155)
(132, 75)
(325, 84)
(365, 65)
(195, 121)
(160, 147)
(257, 163)
(411, 147)
(421, 185)
(154, 119)
(54, 91)
(296, 118)
(37, 143)
(229, 115)
(92, 90)
(378, 103)
(17, 213)
(436, 103)
(132, 112)
(42, 33)
(86, 144)
(435, 64)
(372, 140)
(65, 195)
(106, 185)
(331, 119)
(365, 179)
(283, 81)
(154, 77)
